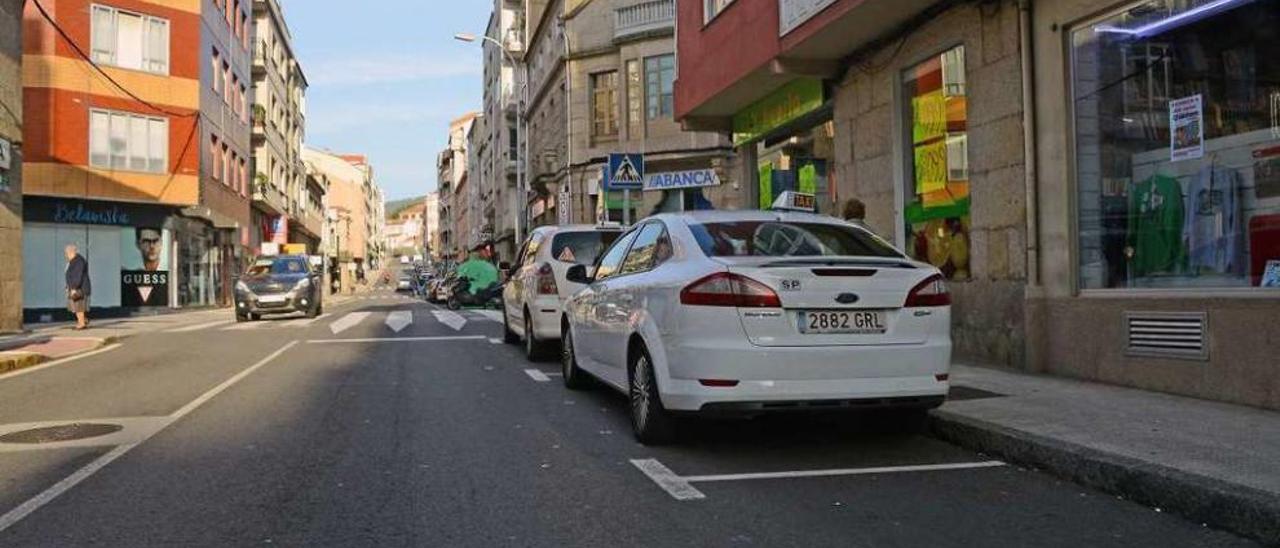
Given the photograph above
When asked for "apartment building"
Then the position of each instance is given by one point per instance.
(621, 68)
(136, 151)
(431, 223)
(284, 208)
(499, 139)
(11, 165)
(452, 182)
(348, 229)
(546, 112)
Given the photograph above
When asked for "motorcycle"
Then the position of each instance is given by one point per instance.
(461, 296)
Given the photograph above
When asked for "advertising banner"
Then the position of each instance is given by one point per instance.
(1186, 124)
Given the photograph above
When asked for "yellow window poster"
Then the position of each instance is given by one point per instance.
(931, 167)
(809, 179)
(929, 117)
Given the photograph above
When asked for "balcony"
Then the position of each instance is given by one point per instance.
(267, 197)
(645, 18)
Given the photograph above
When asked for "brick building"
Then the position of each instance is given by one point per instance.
(136, 135)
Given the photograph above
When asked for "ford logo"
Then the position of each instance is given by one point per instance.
(846, 298)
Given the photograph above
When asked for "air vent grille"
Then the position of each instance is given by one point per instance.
(1168, 334)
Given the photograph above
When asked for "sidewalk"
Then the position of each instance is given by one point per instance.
(1214, 463)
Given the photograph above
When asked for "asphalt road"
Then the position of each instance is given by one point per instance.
(344, 432)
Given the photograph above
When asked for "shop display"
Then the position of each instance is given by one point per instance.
(1177, 158)
(937, 204)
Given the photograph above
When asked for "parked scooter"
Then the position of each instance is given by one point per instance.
(461, 296)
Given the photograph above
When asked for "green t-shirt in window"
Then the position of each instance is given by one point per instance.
(1156, 214)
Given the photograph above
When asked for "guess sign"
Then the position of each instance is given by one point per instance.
(144, 288)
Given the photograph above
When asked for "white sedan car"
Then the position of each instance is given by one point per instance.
(537, 286)
(757, 311)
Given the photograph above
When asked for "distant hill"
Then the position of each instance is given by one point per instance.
(396, 206)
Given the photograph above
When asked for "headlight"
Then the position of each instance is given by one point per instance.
(241, 286)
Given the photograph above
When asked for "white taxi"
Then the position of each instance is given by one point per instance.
(536, 284)
(757, 311)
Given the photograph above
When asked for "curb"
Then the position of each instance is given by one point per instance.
(15, 360)
(1220, 504)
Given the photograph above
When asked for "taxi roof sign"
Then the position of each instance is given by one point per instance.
(791, 200)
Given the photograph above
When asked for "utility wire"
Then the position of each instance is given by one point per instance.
(104, 74)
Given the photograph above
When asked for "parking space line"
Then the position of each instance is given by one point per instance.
(681, 487)
(846, 471)
(537, 375)
(674, 485)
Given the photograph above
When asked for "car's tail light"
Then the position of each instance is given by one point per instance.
(546, 280)
(931, 292)
(729, 289)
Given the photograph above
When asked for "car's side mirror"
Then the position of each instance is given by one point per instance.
(578, 274)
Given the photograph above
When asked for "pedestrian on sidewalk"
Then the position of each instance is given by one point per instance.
(78, 286)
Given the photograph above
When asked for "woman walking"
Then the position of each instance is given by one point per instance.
(78, 286)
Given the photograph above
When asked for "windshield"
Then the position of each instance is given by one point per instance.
(280, 265)
(788, 239)
(581, 247)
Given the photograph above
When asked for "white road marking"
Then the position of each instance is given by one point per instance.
(450, 318)
(399, 319)
(681, 487)
(198, 326)
(399, 339)
(673, 484)
(537, 375)
(495, 341)
(347, 322)
(31, 505)
(309, 321)
(847, 471)
(243, 326)
(492, 315)
(30, 370)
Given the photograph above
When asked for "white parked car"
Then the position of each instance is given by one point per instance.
(537, 287)
(757, 311)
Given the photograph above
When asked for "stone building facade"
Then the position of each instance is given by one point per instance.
(11, 165)
(989, 317)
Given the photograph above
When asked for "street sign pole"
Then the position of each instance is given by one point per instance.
(626, 207)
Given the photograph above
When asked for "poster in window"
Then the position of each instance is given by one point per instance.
(144, 274)
(1186, 118)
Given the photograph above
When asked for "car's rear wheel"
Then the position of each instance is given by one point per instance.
(508, 336)
(574, 377)
(651, 423)
(534, 350)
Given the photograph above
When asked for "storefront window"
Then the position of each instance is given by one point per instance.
(1177, 123)
(935, 114)
(800, 163)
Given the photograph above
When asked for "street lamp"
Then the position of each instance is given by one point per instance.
(522, 197)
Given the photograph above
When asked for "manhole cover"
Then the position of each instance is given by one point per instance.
(62, 432)
(961, 393)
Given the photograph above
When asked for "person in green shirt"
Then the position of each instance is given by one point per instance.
(478, 270)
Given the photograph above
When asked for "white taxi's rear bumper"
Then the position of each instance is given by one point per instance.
(803, 377)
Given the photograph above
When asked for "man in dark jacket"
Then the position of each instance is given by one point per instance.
(78, 286)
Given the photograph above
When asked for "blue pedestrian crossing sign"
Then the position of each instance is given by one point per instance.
(625, 172)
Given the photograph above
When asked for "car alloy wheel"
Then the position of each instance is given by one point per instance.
(574, 378)
(650, 421)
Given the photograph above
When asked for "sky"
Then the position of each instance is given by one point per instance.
(386, 77)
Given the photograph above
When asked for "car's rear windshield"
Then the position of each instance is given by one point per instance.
(787, 239)
(277, 266)
(581, 247)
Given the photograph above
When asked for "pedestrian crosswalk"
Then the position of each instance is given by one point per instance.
(392, 320)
